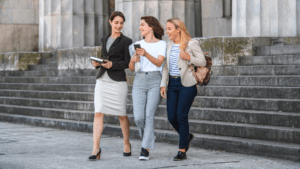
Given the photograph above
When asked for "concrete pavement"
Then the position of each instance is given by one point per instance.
(23, 147)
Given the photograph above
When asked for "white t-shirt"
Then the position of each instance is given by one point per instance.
(154, 49)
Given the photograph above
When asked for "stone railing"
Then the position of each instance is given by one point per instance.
(77, 58)
(14, 61)
(227, 50)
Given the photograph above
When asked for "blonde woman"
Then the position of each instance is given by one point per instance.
(177, 76)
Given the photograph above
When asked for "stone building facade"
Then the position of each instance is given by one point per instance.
(48, 25)
(19, 25)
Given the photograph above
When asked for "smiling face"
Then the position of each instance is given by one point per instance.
(171, 31)
(117, 24)
(144, 28)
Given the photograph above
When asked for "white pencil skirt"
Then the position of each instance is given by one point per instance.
(110, 96)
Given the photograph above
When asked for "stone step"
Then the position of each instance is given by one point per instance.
(49, 66)
(277, 50)
(58, 79)
(270, 60)
(217, 71)
(48, 87)
(261, 132)
(276, 81)
(256, 70)
(49, 60)
(280, 105)
(283, 81)
(53, 72)
(251, 92)
(224, 143)
(57, 95)
(210, 114)
(86, 92)
(251, 131)
(223, 91)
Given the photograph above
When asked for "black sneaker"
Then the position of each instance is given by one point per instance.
(144, 154)
(180, 156)
(191, 136)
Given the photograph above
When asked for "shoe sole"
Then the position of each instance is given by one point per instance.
(144, 158)
(179, 160)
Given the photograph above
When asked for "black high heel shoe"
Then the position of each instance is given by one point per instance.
(97, 156)
(127, 154)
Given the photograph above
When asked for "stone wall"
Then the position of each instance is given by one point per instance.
(72, 23)
(19, 22)
(216, 18)
(14, 61)
(266, 18)
(77, 58)
(227, 50)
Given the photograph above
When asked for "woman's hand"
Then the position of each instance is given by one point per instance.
(141, 51)
(135, 58)
(107, 65)
(184, 55)
(96, 64)
(163, 92)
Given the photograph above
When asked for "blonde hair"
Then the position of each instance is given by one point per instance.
(185, 36)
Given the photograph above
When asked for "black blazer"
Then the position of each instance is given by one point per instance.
(119, 55)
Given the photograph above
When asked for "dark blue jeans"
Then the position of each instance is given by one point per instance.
(179, 102)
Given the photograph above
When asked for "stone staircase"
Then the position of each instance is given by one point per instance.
(252, 108)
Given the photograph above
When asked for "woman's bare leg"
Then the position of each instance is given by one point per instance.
(97, 131)
(125, 126)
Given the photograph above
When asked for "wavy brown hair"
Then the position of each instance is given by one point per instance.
(155, 25)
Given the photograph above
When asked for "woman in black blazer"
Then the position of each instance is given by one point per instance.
(111, 85)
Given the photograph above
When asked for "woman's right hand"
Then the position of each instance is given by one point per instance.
(96, 64)
(135, 58)
(163, 92)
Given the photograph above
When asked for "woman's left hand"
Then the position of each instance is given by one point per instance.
(140, 51)
(185, 55)
(107, 65)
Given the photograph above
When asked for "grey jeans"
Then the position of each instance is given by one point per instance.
(146, 97)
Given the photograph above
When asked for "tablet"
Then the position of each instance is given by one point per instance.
(98, 60)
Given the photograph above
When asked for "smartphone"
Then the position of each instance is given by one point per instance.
(136, 46)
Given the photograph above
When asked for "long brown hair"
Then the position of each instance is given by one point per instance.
(185, 36)
(155, 25)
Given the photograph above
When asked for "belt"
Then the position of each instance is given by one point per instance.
(174, 77)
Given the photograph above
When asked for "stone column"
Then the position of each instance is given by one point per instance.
(253, 17)
(287, 18)
(72, 23)
(162, 10)
(241, 23)
(274, 18)
(265, 18)
(298, 18)
(198, 19)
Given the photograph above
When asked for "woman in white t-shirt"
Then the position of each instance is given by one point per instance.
(146, 86)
